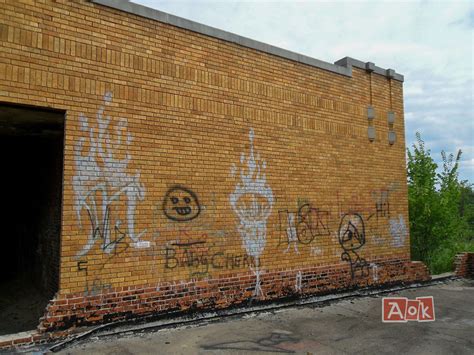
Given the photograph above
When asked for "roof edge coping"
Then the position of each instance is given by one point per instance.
(342, 66)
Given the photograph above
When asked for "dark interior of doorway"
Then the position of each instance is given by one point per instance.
(31, 146)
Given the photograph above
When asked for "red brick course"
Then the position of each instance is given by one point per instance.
(127, 303)
(464, 265)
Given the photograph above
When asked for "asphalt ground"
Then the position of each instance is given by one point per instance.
(348, 326)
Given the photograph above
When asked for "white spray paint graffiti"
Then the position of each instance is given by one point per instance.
(316, 251)
(375, 272)
(299, 279)
(291, 233)
(252, 202)
(398, 231)
(101, 180)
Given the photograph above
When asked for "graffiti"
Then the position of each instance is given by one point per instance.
(316, 251)
(168, 221)
(382, 204)
(188, 244)
(382, 209)
(351, 238)
(299, 279)
(398, 231)
(181, 204)
(375, 272)
(101, 181)
(300, 201)
(381, 198)
(252, 202)
(290, 230)
(378, 240)
(199, 260)
(80, 266)
(102, 231)
(96, 287)
(310, 223)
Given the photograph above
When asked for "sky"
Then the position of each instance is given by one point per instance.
(430, 43)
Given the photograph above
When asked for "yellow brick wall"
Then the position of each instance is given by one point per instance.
(160, 106)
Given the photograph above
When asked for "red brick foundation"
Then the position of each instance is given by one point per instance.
(464, 265)
(214, 294)
(34, 338)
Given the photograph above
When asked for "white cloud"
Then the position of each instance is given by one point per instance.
(413, 88)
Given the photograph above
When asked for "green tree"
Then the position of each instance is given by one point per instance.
(440, 208)
(466, 208)
(422, 201)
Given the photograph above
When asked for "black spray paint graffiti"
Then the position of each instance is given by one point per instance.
(95, 286)
(82, 265)
(199, 260)
(308, 224)
(102, 230)
(352, 238)
(378, 218)
(382, 204)
(181, 204)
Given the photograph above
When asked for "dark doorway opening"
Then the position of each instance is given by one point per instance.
(31, 146)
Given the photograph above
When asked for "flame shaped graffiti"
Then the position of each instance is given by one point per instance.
(101, 180)
(252, 202)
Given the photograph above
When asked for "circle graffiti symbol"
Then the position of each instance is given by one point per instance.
(181, 204)
(351, 232)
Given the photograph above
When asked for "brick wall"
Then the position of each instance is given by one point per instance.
(464, 265)
(201, 174)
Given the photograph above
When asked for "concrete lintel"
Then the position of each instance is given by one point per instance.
(343, 66)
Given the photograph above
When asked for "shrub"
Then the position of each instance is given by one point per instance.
(441, 208)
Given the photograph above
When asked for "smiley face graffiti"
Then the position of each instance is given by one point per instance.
(181, 204)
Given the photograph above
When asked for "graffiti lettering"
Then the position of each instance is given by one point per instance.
(201, 261)
(310, 223)
(80, 266)
(382, 204)
(102, 230)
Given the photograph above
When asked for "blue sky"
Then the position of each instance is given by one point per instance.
(430, 43)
